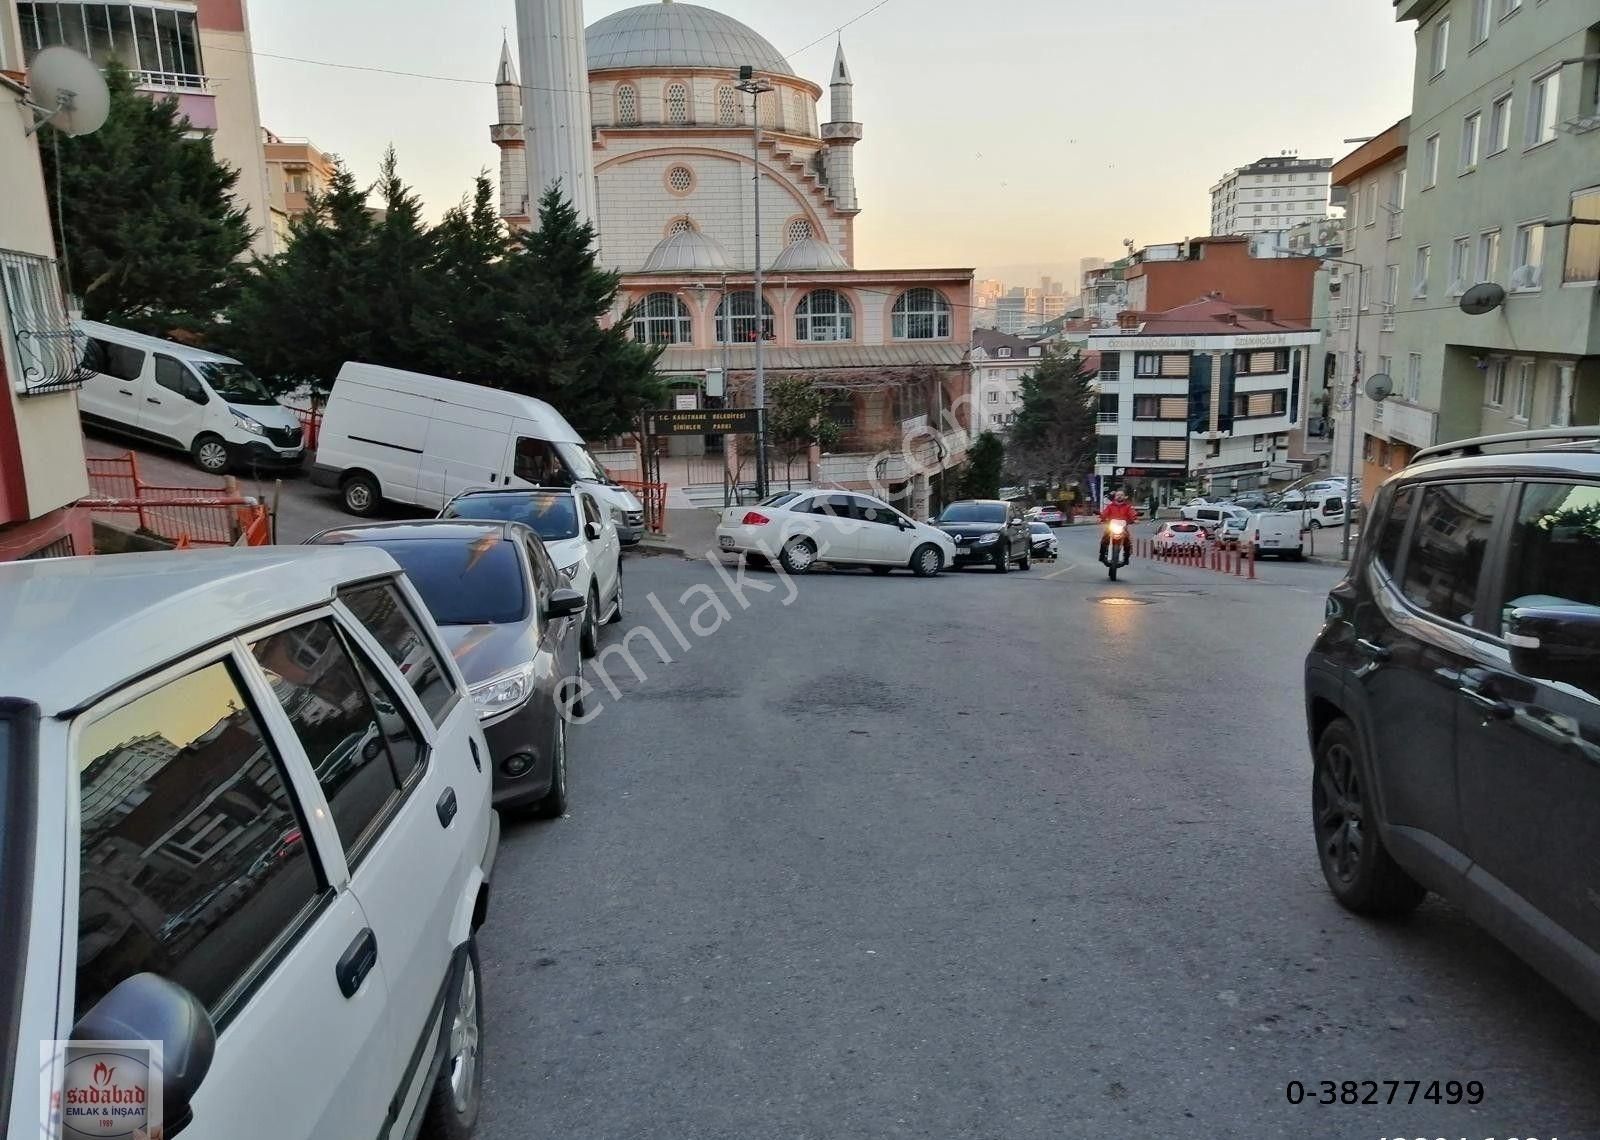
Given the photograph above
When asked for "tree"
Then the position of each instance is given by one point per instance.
(797, 418)
(980, 476)
(150, 233)
(1054, 440)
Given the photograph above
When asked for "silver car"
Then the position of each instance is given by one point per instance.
(512, 625)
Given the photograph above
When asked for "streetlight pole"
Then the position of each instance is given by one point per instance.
(755, 87)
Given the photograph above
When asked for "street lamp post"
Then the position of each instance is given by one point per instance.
(755, 88)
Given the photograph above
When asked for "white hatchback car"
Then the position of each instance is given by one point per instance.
(235, 825)
(1179, 534)
(842, 528)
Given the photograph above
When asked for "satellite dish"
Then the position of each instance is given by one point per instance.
(68, 87)
(1380, 386)
(1481, 299)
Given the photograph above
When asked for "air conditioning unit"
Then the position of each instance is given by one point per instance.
(1526, 277)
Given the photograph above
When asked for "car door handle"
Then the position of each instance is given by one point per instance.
(1372, 649)
(151, 400)
(357, 962)
(125, 391)
(446, 807)
(1490, 705)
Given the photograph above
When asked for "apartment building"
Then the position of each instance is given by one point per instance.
(1502, 186)
(999, 362)
(296, 170)
(1105, 292)
(1272, 193)
(1165, 276)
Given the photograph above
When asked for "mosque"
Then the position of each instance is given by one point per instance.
(657, 149)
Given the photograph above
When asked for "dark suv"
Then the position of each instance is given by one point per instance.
(1453, 699)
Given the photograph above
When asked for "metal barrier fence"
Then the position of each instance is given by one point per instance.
(310, 421)
(654, 498)
(185, 516)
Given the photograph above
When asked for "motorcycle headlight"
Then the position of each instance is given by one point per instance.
(1118, 527)
(503, 692)
(570, 572)
(987, 539)
(249, 425)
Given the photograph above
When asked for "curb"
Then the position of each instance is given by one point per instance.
(649, 549)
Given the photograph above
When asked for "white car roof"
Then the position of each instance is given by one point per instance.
(73, 628)
(133, 339)
(495, 401)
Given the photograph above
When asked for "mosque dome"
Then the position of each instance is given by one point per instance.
(808, 254)
(688, 251)
(673, 35)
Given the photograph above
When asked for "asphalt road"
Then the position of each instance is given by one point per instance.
(978, 856)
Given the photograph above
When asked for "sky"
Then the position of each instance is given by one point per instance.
(1014, 137)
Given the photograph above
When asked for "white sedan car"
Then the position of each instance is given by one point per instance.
(1178, 534)
(798, 529)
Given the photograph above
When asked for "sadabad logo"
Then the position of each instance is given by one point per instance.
(106, 1094)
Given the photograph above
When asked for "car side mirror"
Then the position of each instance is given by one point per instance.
(147, 1007)
(591, 531)
(1556, 644)
(564, 603)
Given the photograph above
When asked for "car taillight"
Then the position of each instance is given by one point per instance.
(755, 518)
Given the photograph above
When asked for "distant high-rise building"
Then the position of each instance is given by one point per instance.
(1274, 193)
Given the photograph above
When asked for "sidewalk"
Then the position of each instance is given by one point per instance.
(691, 532)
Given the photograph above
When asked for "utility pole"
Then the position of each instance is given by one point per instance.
(755, 87)
(1355, 396)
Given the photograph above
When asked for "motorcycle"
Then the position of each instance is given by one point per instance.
(1117, 547)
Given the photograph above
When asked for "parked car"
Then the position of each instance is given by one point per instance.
(987, 532)
(1250, 501)
(578, 536)
(1232, 528)
(172, 395)
(152, 779)
(1453, 699)
(1178, 534)
(422, 440)
(798, 529)
(1317, 509)
(1049, 514)
(1211, 516)
(510, 622)
(1043, 540)
(1274, 532)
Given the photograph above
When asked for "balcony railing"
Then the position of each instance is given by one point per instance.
(1106, 417)
(173, 81)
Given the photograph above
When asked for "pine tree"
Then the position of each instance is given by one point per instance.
(151, 233)
(980, 477)
(465, 324)
(1054, 439)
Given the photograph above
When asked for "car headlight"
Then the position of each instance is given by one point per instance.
(503, 692)
(987, 539)
(571, 572)
(249, 425)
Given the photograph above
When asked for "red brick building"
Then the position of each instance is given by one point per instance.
(1164, 277)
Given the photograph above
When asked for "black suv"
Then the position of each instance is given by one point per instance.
(1453, 699)
(990, 531)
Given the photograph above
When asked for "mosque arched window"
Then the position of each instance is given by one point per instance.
(920, 314)
(824, 314)
(768, 109)
(677, 104)
(627, 105)
(728, 107)
(662, 318)
(741, 308)
(798, 123)
(798, 230)
(681, 225)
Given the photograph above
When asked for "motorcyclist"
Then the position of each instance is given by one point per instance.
(1117, 508)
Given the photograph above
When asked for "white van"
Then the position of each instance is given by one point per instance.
(1273, 532)
(175, 396)
(411, 438)
(1322, 508)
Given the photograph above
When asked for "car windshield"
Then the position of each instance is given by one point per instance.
(1040, 528)
(552, 515)
(584, 466)
(974, 512)
(234, 383)
(473, 581)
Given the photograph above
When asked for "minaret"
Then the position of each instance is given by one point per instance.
(508, 135)
(555, 103)
(839, 136)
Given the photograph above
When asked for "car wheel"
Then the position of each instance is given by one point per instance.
(360, 495)
(1359, 870)
(1299, 554)
(1026, 561)
(211, 454)
(554, 803)
(452, 1112)
(616, 613)
(1002, 561)
(797, 556)
(589, 637)
(1316, 524)
(926, 561)
(880, 571)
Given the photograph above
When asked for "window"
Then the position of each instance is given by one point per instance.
(1003, 353)
(1172, 365)
(824, 315)
(1419, 273)
(741, 308)
(1391, 286)
(1144, 407)
(1146, 450)
(1495, 383)
(798, 230)
(49, 348)
(1469, 141)
(994, 396)
(1489, 255)
(1372, 203)
(195, 864)
(680, 180)
(1500, 124)
(1439, 54)
(1397, 200)
(115, 360)
(1583, 242)
(920, 314)
(727, 107)
(173, 376)
(1393, 532)
(1527, 380)
(1448, 544)
(1554, 548)
(1460, 266)
(1430, 162)
(386, 617)
(627, 105)
(1529, 253)
(662, 318)
(1413, 388)
(677, 97)
(1480, 21)
(769, 109)
(1544, 97)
